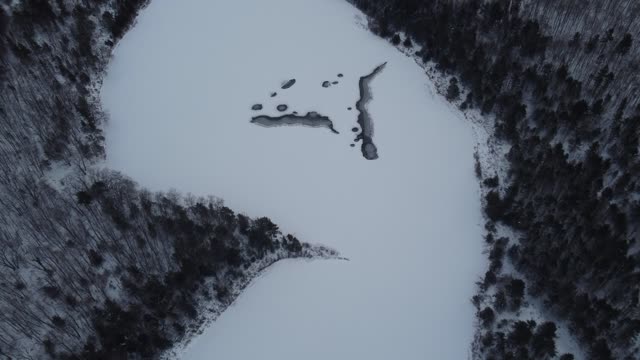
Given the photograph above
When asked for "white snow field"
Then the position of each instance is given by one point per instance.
(179, 92)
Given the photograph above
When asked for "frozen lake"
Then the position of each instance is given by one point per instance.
(180, 90)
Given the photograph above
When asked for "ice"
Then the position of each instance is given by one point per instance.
(179, 92)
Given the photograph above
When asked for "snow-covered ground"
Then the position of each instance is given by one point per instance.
(180, 90)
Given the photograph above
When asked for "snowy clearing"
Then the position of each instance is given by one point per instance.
(179, 92)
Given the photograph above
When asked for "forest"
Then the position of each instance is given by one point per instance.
(93, 266)
(560, 78)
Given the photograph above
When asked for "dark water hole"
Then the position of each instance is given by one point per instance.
(368, 148)
(311, 119)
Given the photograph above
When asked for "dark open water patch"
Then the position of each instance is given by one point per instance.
(368, 148)
(256, 107)
(288, 84)
(326, 84)
(282, 107)
(311, 119)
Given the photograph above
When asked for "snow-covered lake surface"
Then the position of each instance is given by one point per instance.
(180, 90)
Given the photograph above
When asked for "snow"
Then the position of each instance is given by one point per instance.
(179, 92)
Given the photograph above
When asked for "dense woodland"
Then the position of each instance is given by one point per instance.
(98, 268)
(561, 79)
(92, 266)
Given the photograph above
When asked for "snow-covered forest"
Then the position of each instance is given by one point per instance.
(561, 80)
(93, 266)
(101, 119)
